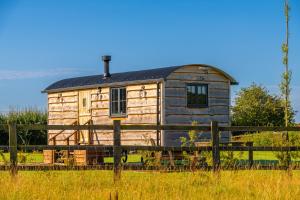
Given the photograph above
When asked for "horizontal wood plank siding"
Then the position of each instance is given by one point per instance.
(176, 110)
(141, 109)
(62, 110)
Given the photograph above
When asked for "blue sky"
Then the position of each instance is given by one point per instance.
(44, 41)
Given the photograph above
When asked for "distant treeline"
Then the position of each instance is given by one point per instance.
(25, 116)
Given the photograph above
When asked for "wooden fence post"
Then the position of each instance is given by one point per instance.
(215, 145)
(12, 129)
(117, 149)
(250, 154)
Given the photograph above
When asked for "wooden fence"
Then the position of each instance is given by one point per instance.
(117, 148)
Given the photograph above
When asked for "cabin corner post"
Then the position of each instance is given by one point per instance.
(158, 113)
(215, 145)
(162, 113)
(13, 148)
(117, 149)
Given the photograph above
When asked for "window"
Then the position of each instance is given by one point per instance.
(197, 95)
(118, 102)
(84, 102)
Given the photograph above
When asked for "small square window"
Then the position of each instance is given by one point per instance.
(197, 95)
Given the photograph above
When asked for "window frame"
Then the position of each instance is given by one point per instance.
(119, 114)
(197, 105)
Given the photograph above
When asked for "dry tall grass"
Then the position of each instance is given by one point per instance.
(148, 185)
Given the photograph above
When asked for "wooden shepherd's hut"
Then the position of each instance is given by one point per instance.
(170, 95)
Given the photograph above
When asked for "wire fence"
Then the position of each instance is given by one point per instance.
(264, 148)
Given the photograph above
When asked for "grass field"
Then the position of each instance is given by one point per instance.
(151, 185)
(37, 157)
(30, 157)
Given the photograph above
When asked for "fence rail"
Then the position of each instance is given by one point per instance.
(150, 127)
(150, 148)
(117, 148)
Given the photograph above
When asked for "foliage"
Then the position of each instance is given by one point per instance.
(192, 137)
(285, 157)
(150, 158)
(229, 158)
(259, 139)
(3, 157)
(3, 133)
(275, 139)
(254, 106)
(287, 74)
(285, 85)
(26, 116)
(194, 158)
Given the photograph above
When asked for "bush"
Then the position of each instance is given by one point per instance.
(276, 139)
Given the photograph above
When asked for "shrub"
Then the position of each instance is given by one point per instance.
(276, 139)
(194, 159)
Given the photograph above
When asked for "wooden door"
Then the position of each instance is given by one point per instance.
(84, 115)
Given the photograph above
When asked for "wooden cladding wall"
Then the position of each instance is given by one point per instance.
(176, 110)
(62, 110)
(141, 109)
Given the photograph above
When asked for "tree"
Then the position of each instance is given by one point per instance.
(254, 106)
(29, 116)
(285, 83)
(3, 133)
(287, 74)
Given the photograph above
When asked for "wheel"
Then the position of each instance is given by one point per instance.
(125, 156)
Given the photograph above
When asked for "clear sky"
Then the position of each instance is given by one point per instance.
(44, 41)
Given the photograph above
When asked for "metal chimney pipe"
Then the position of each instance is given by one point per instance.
(106, 59)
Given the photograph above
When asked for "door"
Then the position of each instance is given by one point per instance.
(84, 115)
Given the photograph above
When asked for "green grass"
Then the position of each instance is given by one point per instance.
(131, 158)
(262, 157)
(30, 157)
(151, 185)
(38, 157)
(257, 155)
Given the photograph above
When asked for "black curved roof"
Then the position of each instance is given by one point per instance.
(98, 80)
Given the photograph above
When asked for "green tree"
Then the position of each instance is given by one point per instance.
(29, 116)
(285, 84)
(254, 106)
(3, 133)
(287, 74)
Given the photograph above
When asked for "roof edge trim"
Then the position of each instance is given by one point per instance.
(115, 84)
(232, 80)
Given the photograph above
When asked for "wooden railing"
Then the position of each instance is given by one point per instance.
(61, 132)
(89, 122)
(67, 139)
(76, 133)
(117, 147)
